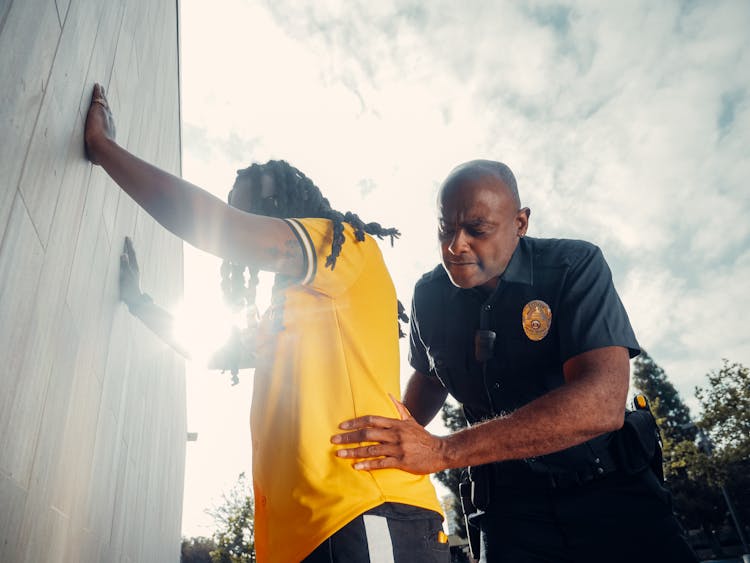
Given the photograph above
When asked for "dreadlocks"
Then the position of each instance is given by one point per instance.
(293, 195)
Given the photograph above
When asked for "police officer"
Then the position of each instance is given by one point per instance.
(530, 336)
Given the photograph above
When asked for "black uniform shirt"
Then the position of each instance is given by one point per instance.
(570, 277)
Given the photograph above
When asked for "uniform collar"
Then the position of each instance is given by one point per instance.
(521, 267)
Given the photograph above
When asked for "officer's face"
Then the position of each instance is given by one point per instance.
(479, 228)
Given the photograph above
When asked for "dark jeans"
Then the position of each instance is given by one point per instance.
(389, 533)
(618, 518)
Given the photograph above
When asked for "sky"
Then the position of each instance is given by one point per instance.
(626, 124)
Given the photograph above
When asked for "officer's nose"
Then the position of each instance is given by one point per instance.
(458, 243)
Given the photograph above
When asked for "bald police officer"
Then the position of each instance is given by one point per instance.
(530, 336)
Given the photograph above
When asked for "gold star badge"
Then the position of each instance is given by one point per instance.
(536, 319)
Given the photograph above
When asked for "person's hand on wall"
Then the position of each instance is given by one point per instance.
(140, 304)
(100, 124)
(130, 278)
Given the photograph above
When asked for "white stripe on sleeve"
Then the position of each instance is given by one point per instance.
(307, 248)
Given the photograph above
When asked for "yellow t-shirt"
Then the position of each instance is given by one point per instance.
(329, 352)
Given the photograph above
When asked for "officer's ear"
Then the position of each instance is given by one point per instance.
(522, 221)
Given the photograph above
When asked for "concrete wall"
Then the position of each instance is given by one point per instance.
(92, 405)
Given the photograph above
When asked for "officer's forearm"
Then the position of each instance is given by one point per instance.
(590, 403)
(538, 428)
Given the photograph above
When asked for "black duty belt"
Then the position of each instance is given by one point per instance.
(521, 475)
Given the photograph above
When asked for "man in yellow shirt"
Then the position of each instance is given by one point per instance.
(327, 352)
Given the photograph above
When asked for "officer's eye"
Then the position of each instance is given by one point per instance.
(445, 233)
(476, 232)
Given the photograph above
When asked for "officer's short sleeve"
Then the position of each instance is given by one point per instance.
(315, 236)
(418, 358)
(592, 315)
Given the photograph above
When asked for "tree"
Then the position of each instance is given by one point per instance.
(454, 419)
(693, 477)
(688, 471)
(726, 412)
(196, 550)
(725, 418)
(672, 414)
(707, 459)
(235, 537)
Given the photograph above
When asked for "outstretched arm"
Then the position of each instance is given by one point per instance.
(189, 212)
(590, 403)
(159, 320)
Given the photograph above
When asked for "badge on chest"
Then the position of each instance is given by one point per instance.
(536, 319)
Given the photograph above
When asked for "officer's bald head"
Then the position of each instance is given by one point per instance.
(476, 169)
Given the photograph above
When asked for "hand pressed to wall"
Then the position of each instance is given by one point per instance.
(130, 278)
(100, 124)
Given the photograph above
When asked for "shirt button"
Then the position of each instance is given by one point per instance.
(487, 307)
(496, 385)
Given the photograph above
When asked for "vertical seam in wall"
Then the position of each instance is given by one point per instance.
(59, 19)
(33, 131)
(4, 17)
(179, 84)
(82, 116)
(179, 126)
(40, 422)
(72, 138)
(108, 84)
(62, 21)
(60, 193)
(7, 223)
(117, 46)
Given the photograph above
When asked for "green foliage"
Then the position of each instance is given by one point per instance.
(235, 537)
(688, 461)
(725, 418)
(691, 475)
(672, 414)
(703, 456)
(726, 412)
(693, 478)
(196, 550)
(454, 419)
